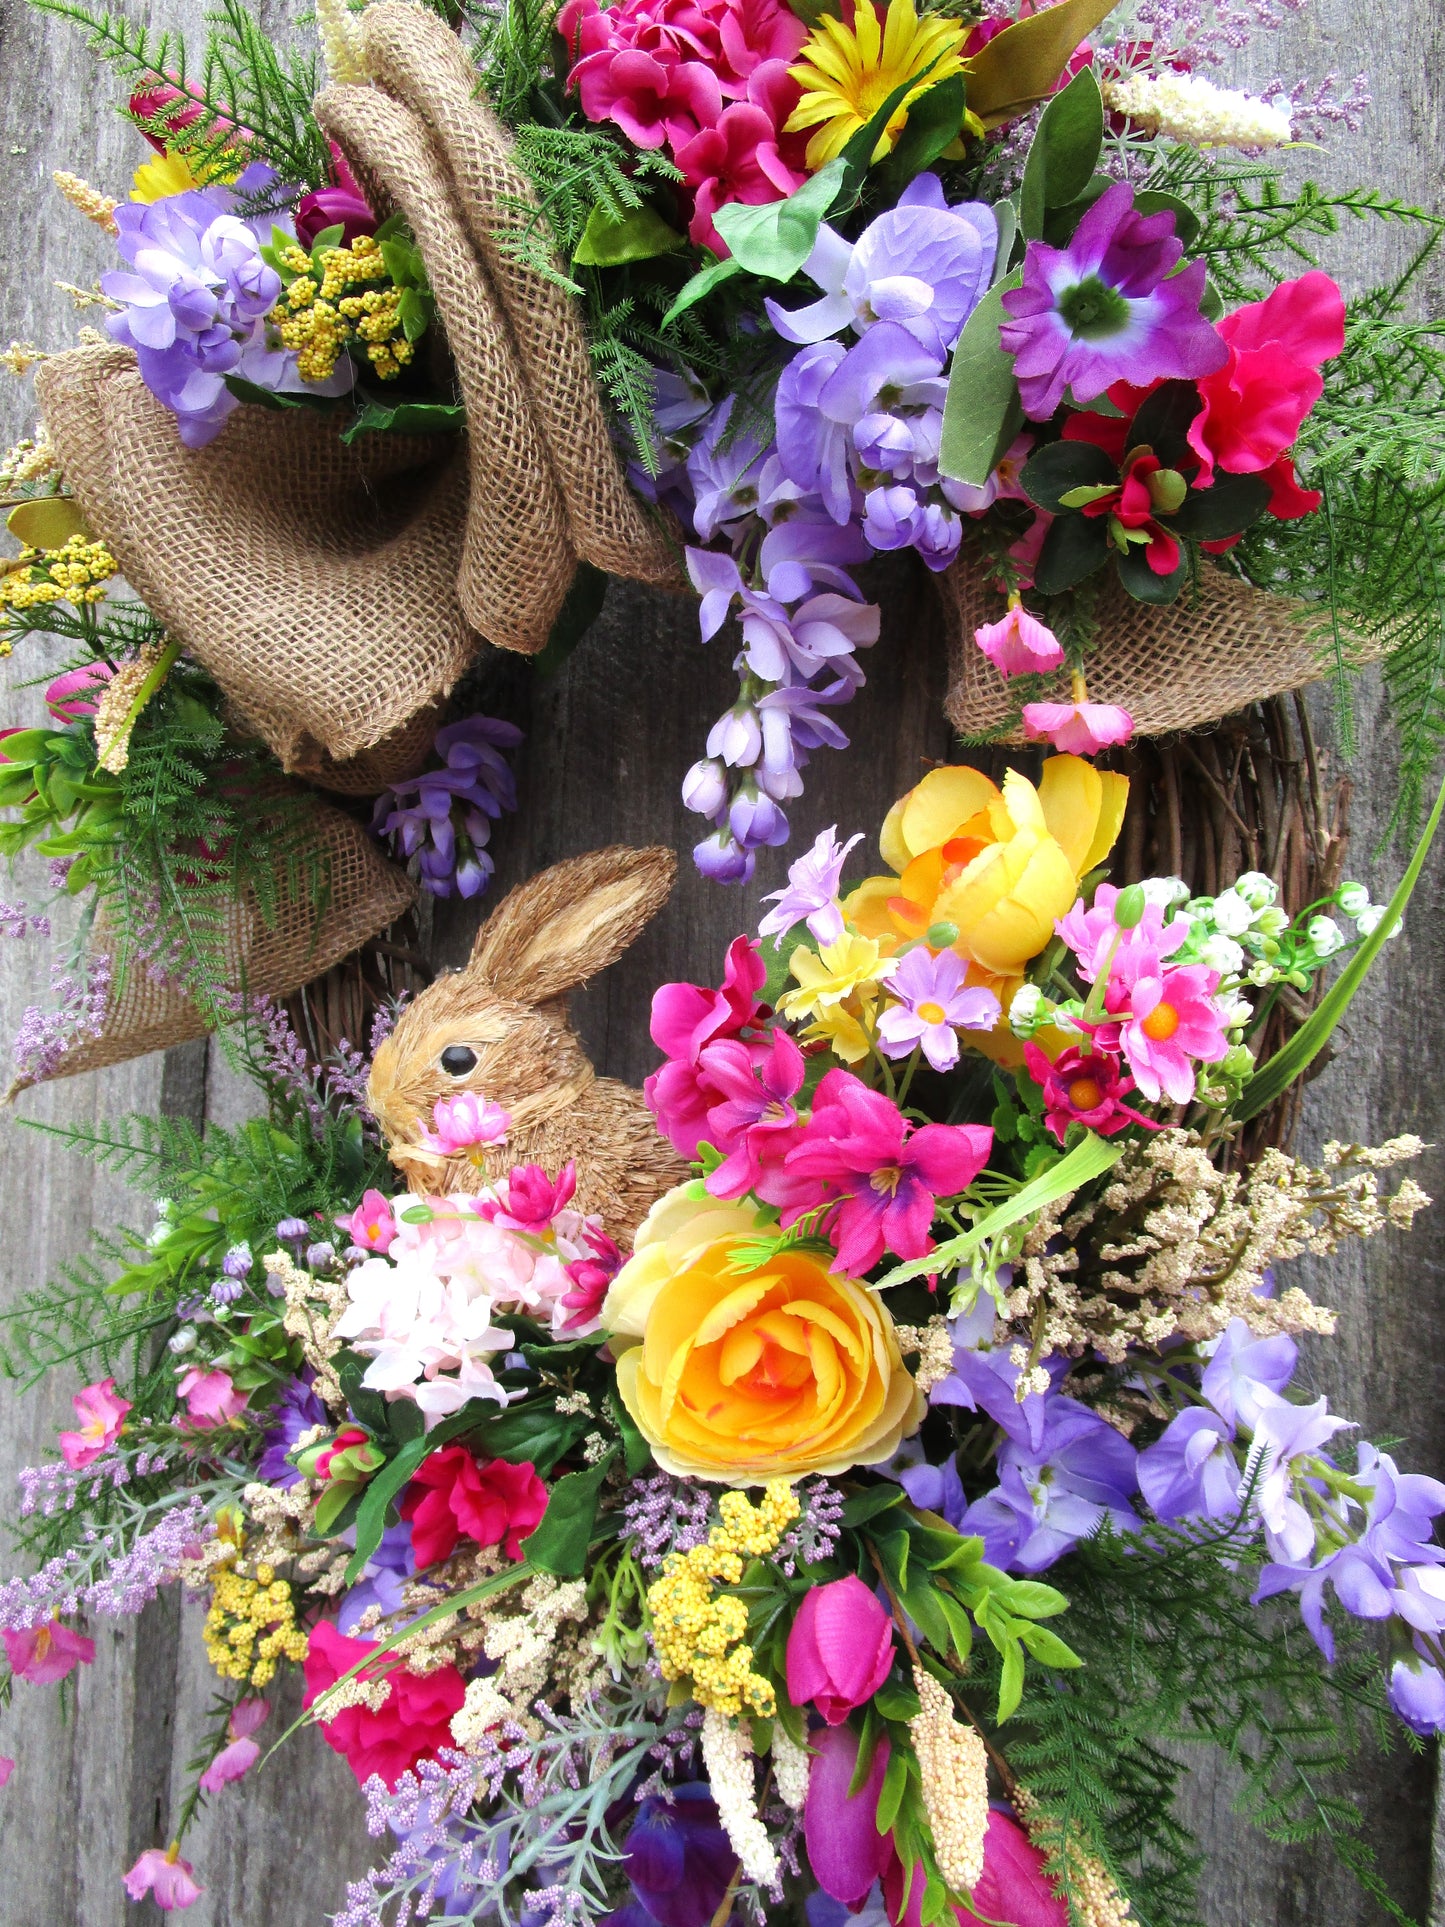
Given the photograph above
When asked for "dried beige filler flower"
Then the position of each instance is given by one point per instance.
(954, 1766)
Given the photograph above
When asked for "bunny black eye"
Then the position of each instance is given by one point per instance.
(458, 1059)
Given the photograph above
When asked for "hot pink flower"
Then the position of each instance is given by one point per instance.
(101, 1413)
(1013, 1886)
(1082, 1087)
(860, 1154)
(464, 1122)
(755, 1123)
(371, 1225)
(737, 157)
(590, 1279)
(655, 103)
(7, 1767)
(1079, 729)
(1090, 932)
(685, 1020)
(846, 1851)
(45, 1654)
(413, 1723)
(241, 1754)
(74, 694)
(454, 1495)
(1168, 1021)
(1254, 406)
(167, 1878)
(1019, 644)
(840, 1648)
(211, 1398)
(340, 204)
(534, 1199)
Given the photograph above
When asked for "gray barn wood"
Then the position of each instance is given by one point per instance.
(607, 743)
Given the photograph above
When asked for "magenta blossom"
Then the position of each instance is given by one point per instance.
(1077, 728)
(342, 205)
(167, 1878)
(1108, 307)
(880, 1175)
(755, 1123)
(840, 1648)
(933, 1005)
(45, 1654)
(737, 158)
(846, 1851)
(211, 1398)
(1083, 1087)
(1168, 1021)
(371, 1225)
(590, 1278)
(101, 1412)
(241, 1752)
(685, 1020)
(1013, 1886)
(1091, 932)
(465, 1122)
(7, 1767)
(1019, 644)
(73, 695)
(534, 1199)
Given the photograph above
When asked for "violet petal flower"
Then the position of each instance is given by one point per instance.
(812, 891)
(443, 817)
(1191, 1468)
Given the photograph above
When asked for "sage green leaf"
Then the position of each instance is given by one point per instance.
(1063, 153)
(774, 241)
(641, 236)
(701, 285)
(406, 418)
(982, 412)
(563, 1538)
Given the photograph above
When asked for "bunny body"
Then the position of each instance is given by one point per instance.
(499, 1028)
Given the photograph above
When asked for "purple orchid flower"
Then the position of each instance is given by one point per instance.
(1108, 307)
(812, 890)
(1191, 1469)
(1049, 1498)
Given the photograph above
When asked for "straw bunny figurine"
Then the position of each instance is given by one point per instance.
(499, 1027)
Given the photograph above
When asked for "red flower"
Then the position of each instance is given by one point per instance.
(1083, 1087)
(455, 1495)
(414, 1721)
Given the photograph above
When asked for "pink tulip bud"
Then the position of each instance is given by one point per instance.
(75, 693)
(840, 1649)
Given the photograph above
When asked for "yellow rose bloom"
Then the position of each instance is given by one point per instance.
(739, 1376)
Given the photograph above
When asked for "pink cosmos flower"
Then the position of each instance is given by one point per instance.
(1019, 644)
(1090, 932)
(45, 1654)
(1083, 1087)
(685, 1020)
(165, 1877)
(465, 1122)
(1078, 728)
(883, 1175)
(933, 1005)
(74, 694)
(211, 1398)
(238, 1757)
(840, 1648)
(371, 1225)
(101, 1413)
(1168, 1021)
(755, 1124)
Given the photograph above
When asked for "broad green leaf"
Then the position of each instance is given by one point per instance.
(982, 411)
(1163, 419)
(396, 1473)
(1073, 548)
(1011, 1681)
(1063, 153)
(1056, 471)
(701, 285)
(896, 1700)
(960, 1625)
(774, 241)
(1274, 1078)
(1144, 585)
(562, 1539)
(1048, 1648)
(250, 392)
(1031, 1598)
(328, 238)
(860, 1507)
(1233, 504)
(1021, 66)
(406, 418)
(934, 122)
(640, 236)
(890, 1794)
(48, 522)
(414, 312)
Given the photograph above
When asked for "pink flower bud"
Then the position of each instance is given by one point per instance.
(74, 694)
(839, 1650)
(1019, 644)
(165, 1877)
(1078, 729)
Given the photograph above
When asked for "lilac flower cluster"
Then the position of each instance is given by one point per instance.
(442, 1856)
(815, 1532)
(101, 1577)
(56, 1486)
(44, 1037)
(662, 1514)
(16, 921)
(195, 294)
(444, 816)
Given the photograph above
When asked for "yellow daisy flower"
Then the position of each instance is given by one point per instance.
(158, 179)
(826, 976)
(846, 73)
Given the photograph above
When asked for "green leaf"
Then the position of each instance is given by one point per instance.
(890, 1794)
(1022, 65)
(896, 1700)
(920, 1600)
(1030, 1598)
(934, 122)
(328, 238)
(1163, 419)
(1060, 223)
(414, 311)
(641, 236)
(960, 1626)
(581, 607)
(1274, 1078)
(561, 1541)
(1143, 584)
(774, 241)
(528, 1434)
(1052, 474)
(1233, 504)
(48, 522)
(1063, 153)
(1048, 1648)
(982, 412)
(1073, 549)
(406, 418)
(248, 391)
(1011, 1681)
(700, 286)
(870, 1503)
(857, 155)
(636, 1452)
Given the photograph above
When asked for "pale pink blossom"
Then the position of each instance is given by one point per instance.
(101, 1412)
(1165, 1020)
(165, 1877)
(371, 1225)
(1019, 644)
(45, 1654)
(242, 1752)
(210, 1397)
(1077, 728)
(466, 1123)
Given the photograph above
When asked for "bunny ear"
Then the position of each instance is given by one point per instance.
(567, 923)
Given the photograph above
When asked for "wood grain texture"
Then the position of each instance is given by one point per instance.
(607, 742)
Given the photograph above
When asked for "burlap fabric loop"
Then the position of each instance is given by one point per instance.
(547, 485)
(1174, 667)
(365, 894)
(315, 581)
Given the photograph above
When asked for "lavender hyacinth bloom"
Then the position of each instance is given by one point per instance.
(1107, 308)
(1191, 1468)
(811, 891)
(1081, 1473)
(1417, 1693)
(724, 473)
(443, 817)
(921, 264)
(195, 295)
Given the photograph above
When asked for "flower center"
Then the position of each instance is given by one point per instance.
(1161, 1023)
(1093, 309)
(1085, 1095)
(887, 1178)
(931, 1013)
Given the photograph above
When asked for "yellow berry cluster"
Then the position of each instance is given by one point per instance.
(697, 1632)
(76, 573)
(317, 320)
(251, 1625)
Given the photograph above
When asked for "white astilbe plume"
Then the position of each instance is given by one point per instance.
(727, 1752)
(341, 46)
(790, 1768)
(1186, 107)
(954, 1768)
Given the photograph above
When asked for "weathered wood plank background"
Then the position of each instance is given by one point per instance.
(607, 742)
